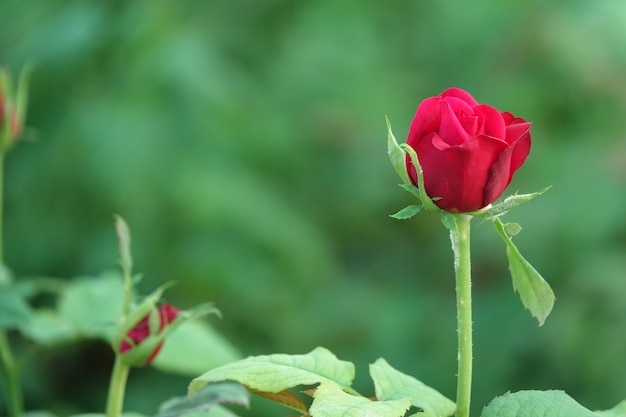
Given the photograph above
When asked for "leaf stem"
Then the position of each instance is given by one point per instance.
(117, 387)
(460, 239)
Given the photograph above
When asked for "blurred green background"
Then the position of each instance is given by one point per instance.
(245, 144)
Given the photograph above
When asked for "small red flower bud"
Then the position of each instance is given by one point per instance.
(141, 331)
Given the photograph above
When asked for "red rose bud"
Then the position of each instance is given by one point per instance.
(468, 151)
(142, 336)
(12, 108)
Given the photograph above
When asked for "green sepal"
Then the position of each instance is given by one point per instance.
(496, 210)
(124, 241)
(407, 212)
(21, 99)
(535, 293)
(412, 189)
(426, 200)
(449, 221)
(137, 314)
(396, 154)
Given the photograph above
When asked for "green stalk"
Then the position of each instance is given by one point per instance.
(462, 267)
(15, 402)
(117, 387)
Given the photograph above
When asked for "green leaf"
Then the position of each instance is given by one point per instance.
(507, 204)
(331, 401)
(407, 212)
(396, 154)
(48, 327)
(217, 411)
(193, 348)
(285, 398)
(14, 310)
(618, 411)
(205, 399)
(536, 403)
(391, 384)
(126, 414)
(277, 372)
(512, 229)
(534, 291)
(93, 305)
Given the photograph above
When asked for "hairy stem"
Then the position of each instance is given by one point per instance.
(462, 267)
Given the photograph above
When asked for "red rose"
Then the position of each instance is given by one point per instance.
(141, 331)
(468, 151)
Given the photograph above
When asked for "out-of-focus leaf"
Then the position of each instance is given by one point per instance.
(14, 310)
(48, 327)
(204, 400)
(93, 305)
(618, 411)
(193, 348)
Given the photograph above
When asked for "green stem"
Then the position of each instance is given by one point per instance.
(117, 387)
(15, 402)
(12, 384)
(462, 267)
(1, 209)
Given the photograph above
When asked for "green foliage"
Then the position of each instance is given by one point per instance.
(186, 349)
(243, 144)
(205, 400)
(391, 384)
(618, 411)
(534, 291)
(271, 376)
(14, 310)
(278, 372)
(407, 212)
(332, 401)
(543, 403)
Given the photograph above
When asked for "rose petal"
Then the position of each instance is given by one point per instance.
(450, 129)
(459, 93)
(459, 174)
(494, 124)
(426, 119)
